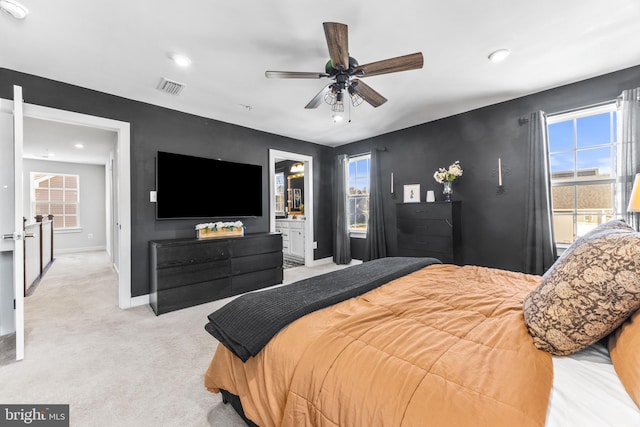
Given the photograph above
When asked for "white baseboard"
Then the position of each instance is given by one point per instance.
(76, 250)
(139, 300)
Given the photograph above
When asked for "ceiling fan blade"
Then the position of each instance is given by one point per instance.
(392, 65)
(317, 100)
(367, 93)
(337, 36)
(293, 75)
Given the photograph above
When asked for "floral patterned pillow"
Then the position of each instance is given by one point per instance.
(589, 291)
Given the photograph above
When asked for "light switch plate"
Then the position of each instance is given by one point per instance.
(152, 196)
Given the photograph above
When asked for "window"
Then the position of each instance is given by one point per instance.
(57, 195)
(358, 193)
(582, 161)
(280, 193)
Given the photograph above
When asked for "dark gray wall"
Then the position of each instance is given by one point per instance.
(154, 128)
(492, 232)
(492, 223)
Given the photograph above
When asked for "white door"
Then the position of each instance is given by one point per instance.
(11, 223)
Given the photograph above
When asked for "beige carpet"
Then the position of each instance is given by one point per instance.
(116, 367)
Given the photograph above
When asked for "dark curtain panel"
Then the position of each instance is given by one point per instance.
(539, 246)
(376, 246)
(629, 158)
(341, 242)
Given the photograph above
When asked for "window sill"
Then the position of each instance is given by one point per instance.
(561, 247)
(358, 234)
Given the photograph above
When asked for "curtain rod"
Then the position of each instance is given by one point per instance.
(525, 119)
(585, 107)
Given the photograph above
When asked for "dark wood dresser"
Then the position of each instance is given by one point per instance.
(187, 272)
(430, 230)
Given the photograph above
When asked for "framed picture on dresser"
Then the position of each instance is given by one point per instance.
(412, 193)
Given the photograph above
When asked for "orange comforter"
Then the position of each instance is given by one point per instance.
(443, 346)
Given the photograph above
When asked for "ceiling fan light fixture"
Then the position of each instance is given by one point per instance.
(338, 107)
(331, 97)
(499, 55)
(356, 99)
(344, 69)
(14, 9)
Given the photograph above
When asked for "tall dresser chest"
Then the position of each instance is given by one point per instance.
(430, 230)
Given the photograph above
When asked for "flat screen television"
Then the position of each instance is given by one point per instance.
(198, 187)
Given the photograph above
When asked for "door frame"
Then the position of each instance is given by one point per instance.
(277, 155)
(15, 110)
(123, 158)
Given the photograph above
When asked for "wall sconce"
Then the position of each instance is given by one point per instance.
(297, 168)
(501, 172)
(393, 188)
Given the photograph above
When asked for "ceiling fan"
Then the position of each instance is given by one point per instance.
(346, 73)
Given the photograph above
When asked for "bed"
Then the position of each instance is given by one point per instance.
(437, 344)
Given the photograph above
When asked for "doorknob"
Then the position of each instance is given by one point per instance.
(17, 236)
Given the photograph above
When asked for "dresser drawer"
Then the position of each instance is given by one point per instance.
(253, 263)
(431, 243)
(424, 211)
(172, 299)
(425, 227)
(250, 246)
(193, 252)
(187, 274)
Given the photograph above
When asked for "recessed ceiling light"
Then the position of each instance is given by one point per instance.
(180, 59)
(499, 55)
(14, 8)
(79, 145)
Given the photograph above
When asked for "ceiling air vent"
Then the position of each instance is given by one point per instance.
(170, 86)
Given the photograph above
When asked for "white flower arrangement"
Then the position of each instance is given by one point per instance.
(219, 225)
(448, 175)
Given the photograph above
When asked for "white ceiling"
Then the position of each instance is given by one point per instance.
(55, 141)
(121, 47)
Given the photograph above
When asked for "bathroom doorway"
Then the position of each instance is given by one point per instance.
(291, 204)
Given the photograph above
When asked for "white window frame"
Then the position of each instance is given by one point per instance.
(360, 233)
(77, 202)
(614, 142)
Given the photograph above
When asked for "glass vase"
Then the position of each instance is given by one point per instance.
(447, 190)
